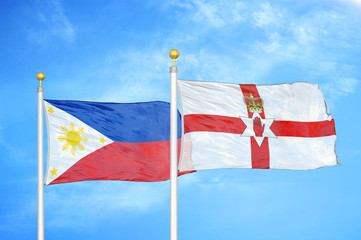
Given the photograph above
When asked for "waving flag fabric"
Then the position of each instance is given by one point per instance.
(284, 126)
(107, 141)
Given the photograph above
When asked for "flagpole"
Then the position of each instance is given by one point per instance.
(40, 76)
(173, 148)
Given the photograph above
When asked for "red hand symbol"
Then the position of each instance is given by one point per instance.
(258, 128)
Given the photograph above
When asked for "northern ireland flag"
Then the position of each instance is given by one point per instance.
(284, 126)
(107, 141)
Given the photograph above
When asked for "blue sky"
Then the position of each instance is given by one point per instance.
(118, 51)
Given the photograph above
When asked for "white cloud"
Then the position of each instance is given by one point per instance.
(214, 14)
(338, 87)
(283, 37)
(353, 2)
(341, 87)
(307, 41)
(13, 151)
(217, 15)
(52, 24)
(348, 85)
(213, 189)
(268, 16)
(135, 76)
(86, 204)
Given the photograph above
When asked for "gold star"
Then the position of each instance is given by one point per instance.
(102, 140)
(53, 172)
(50, 109)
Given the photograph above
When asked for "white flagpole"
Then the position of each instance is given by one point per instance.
(173, 148)
(40, 76)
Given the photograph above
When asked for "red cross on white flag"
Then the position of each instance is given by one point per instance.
(284, 126)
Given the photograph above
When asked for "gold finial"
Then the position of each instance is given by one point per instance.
(173, 54)
(40, 76)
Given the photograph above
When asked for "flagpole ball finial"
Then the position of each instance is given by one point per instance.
(40, 76)
(174, 55)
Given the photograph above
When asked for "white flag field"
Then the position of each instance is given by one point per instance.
(283, 126)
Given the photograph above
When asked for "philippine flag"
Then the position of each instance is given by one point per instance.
(108, 141)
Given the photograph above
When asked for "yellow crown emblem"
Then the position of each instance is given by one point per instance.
(254, 104)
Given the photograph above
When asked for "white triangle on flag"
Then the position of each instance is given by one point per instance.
(69, 140)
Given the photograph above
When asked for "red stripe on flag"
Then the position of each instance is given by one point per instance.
(140, 162)
(216, 123)
(246, 90)
(303, 129)
(260, 155)
(213, 123)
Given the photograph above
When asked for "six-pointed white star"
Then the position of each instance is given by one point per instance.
(249, 132)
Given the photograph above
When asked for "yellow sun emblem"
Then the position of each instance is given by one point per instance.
(72, 138)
